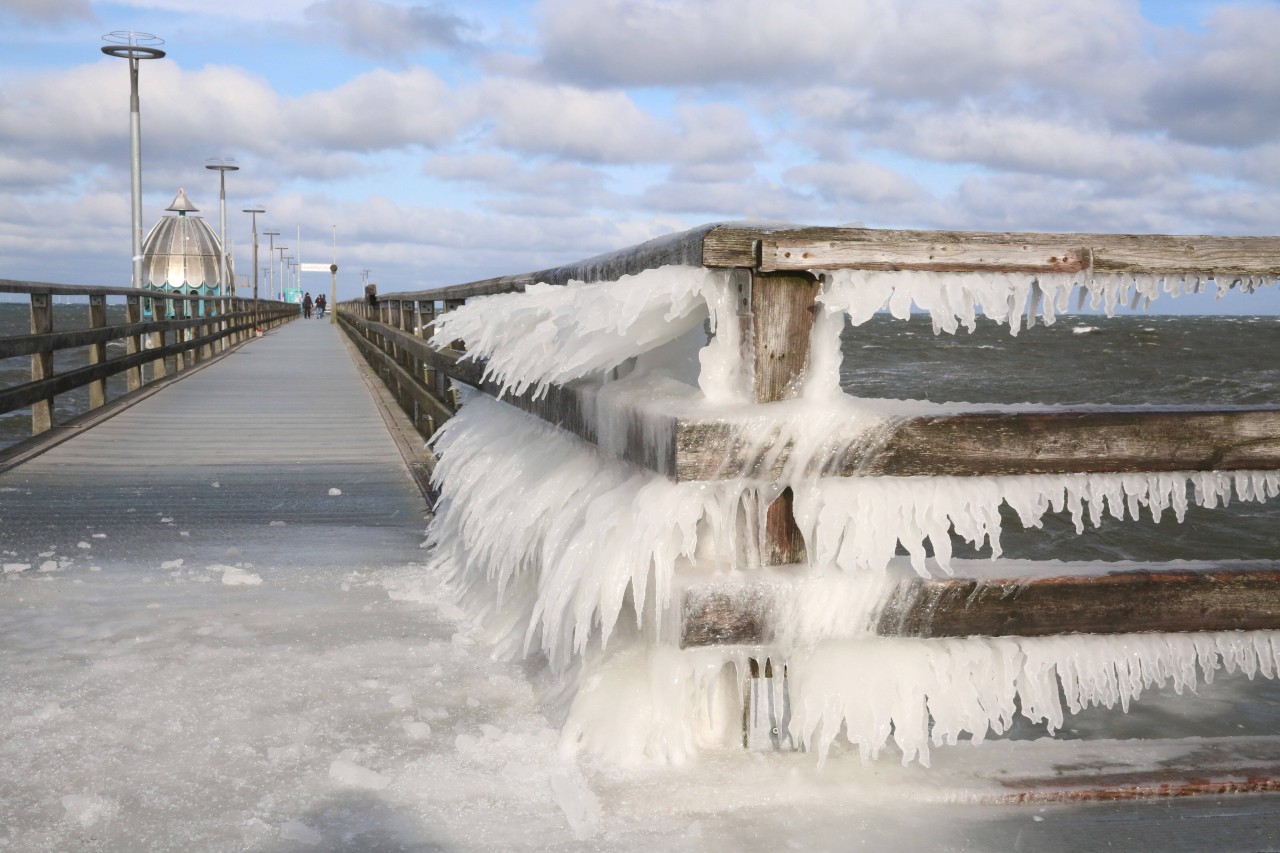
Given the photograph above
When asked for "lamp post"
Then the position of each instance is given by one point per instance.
(282, 250)
(253, 212)
(134, 47)
(271, 248)
(222, 165)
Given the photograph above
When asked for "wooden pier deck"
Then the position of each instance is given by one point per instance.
(241, 454)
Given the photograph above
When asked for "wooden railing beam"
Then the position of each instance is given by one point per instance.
(1227, 596)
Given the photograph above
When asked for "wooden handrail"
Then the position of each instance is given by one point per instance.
(774, 248)
(201, 323)
(1224, 596)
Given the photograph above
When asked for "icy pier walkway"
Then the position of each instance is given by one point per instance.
(202, 648)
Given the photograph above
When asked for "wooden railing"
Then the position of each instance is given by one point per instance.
(162, 333)
(778, 272)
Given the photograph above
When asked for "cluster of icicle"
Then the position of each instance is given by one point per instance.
(952, 300)
(562, 547)
(914, 693)
(551, 334)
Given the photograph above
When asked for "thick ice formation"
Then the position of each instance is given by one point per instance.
(563, 547)
(858, 522)
(914, 694)
(955, 299)
(554, 334)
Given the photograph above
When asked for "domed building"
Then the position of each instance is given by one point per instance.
(180, 255)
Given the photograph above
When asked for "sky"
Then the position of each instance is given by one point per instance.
(445, 142)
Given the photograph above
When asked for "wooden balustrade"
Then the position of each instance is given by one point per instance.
(156, 329)
(777, 267)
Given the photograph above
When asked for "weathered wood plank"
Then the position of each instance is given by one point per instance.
(972, 251)
(775, 248)
(1227, 596)
(1160, 599)
(1007, 443)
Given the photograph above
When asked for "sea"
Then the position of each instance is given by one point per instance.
(1128, 360)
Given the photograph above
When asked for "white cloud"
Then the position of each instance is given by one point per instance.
(1059, 147)
(381, 29)
(47, 11)
(925, 49)
(1223, 87)
(565, 121)
(859, 183)
(379, 110)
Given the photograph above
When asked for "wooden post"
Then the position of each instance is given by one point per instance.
(446, 393)
(204, 329)
(133, 343)
(41, 362)
(98, 351)
(782, 310)
(159, 338)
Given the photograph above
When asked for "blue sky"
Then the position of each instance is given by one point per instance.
(454, 141)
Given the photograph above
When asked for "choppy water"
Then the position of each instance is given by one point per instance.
(1203, 361)
(1195, 361)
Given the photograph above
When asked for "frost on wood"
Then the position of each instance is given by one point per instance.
(562, 547)
(570, 554)
(657, 704)
(955, 299)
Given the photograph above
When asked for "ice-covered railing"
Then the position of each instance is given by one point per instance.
(688, 433)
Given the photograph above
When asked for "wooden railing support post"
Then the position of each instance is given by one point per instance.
(41, 362)
(98, 351)
(782, 310)
(133, 344)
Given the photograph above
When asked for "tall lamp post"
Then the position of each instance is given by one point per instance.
(282, 250)
(271, 256)
(254, 211)
(222, 165)
(134, 47)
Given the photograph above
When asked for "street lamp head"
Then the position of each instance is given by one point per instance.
(128, 44)
(221, 164)
(255, 209)
(270, 233)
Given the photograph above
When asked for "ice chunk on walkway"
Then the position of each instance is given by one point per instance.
(10, 568)
(350, 773)
(333, 493)
(292, 830)
(235, 576)
(580, 806)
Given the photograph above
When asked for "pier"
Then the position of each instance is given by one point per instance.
(219, 629)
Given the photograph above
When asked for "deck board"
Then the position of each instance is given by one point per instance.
(260, 438)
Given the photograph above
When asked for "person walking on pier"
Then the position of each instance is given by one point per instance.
(321, 302)
(306, 306)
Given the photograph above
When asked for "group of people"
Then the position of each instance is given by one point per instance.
(319, 305)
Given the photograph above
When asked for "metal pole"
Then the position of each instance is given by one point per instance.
(134, 46)
(222, 165)
(271, 253)
(253, 212)
(135, 165)
(282, 250)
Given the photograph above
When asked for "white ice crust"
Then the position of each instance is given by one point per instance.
(576, 556)
(953, 300)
